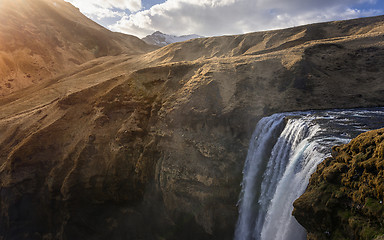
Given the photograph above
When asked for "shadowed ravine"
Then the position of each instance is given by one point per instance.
(284, 152)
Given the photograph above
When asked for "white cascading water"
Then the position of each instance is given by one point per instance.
(284, 151)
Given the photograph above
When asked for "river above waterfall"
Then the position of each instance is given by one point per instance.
(284, 151)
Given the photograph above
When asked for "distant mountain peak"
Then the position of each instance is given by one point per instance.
(157, 33)
(161, 39)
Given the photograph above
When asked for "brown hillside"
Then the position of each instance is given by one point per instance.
(269, 41)
(41, 38)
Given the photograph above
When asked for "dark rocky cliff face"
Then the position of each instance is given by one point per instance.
(152, 146)
(344, 198)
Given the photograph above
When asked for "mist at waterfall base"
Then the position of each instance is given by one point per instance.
(284, 151)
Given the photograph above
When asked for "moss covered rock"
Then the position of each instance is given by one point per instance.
(344, 198)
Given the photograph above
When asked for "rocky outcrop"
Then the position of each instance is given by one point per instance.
(344, 198)
(152, 146)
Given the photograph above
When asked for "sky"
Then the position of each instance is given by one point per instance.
(219, 17)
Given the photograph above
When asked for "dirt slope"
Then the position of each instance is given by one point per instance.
(42, 38)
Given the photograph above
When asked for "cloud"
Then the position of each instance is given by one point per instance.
(220, 17)
(100, 9)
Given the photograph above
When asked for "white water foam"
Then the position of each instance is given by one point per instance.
(284, 152)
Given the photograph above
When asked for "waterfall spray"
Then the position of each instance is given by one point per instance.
(284, 151)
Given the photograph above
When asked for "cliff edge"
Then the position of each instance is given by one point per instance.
(344, 198)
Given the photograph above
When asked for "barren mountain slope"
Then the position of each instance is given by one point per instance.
(41, 38)
(152, 146)
(270, 41)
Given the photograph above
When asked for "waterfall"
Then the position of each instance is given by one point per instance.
(284, 151)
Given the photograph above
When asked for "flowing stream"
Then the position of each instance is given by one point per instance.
(284, 151)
